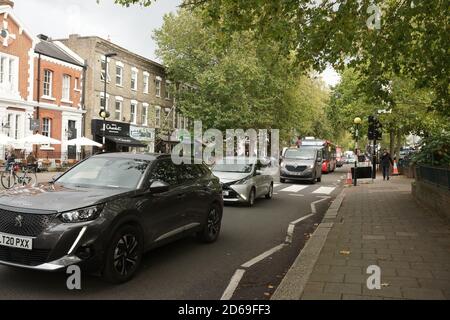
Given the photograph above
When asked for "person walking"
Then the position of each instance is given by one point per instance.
(386, 162)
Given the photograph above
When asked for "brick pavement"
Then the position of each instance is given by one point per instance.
(380, 224)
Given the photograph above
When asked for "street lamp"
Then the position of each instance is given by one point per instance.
(103, 113)
(357, 122)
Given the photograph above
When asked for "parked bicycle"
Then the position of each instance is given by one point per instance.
(17, 174)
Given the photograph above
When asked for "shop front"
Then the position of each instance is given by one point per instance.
(117, 136)
(146, 136)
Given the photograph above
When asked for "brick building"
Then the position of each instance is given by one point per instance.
(16, 75)
(138, 98)
(40, 88)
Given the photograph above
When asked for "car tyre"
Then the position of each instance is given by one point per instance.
(269, 194)
(282, 180)
(319, 179)
(123, 255)
(251, 197)
(211, 230)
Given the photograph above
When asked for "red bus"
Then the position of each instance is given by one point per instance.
(328, 152)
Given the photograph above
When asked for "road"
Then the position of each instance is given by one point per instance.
(188, 269)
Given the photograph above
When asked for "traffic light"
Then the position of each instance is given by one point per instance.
(371, 131)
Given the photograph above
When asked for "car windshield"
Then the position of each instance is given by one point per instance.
(235, 166)
(106, 173)
(301, 153)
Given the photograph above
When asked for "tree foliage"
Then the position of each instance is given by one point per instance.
(237, 83)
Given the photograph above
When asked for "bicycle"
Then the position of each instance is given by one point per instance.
(16, 174)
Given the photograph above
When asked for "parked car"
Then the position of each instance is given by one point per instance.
(106, 211)
(244, 179)
(301, 164)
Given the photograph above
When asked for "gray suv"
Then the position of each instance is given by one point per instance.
(301, 164)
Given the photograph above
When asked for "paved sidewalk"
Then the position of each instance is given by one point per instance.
(377, 224)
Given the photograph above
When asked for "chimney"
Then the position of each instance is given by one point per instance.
(7, 3)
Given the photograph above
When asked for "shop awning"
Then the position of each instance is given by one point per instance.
(126, 141)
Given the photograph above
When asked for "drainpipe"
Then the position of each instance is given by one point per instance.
(38, 86)
(83, 100)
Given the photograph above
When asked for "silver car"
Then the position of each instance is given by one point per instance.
(244, 179)
(300, 164)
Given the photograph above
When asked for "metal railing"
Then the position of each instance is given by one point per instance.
(434, 175)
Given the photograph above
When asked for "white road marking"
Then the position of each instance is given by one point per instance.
(301, 219)
(232, 286)
(294, 188)
(276, 185)
(296, 195)
(262, 256)
(313, 204)
(290, 231)
(324, 190)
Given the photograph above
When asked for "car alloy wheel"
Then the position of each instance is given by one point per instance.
(211, 230)
(126, 254)
(269, 195)
(251, 197)
(213, 222)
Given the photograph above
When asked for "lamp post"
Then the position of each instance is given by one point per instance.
(357, 122)
(103, 112)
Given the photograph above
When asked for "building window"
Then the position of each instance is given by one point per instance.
(66, 87)
(102, 102)
(16, 130)
(157, 116)
(166, 117)
(144, 115)
(134, 76)
(46, 127)
(48, 82)
(119, 75)
(133, 109)
(146, 83)
(103, 70)
(8, 72)
(167, 91)
(118, 111)
(158, 87)
(8, 124)
(77, 84)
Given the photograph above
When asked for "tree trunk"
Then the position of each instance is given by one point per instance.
(398, 145)
(391, 142)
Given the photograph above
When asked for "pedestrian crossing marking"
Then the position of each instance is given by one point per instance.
(294, 188)
(276, 185)
(324, 190)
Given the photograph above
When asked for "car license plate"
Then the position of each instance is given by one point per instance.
(9, 240)
(226, 193)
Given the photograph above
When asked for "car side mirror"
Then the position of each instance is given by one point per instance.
(158, 186)
(258, 172)
(319, 160)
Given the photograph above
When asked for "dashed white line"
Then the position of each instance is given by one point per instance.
(324, 190)
(294, 188)
(313, 204)
(296, 195)
(232, 286)
(262, 256)
(290, 231)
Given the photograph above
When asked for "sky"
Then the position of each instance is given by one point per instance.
(130, 28)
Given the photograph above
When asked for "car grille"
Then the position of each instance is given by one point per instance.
(25, 257)
(296, 168)
(32, 224)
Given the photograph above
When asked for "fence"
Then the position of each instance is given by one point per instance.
(435, 175)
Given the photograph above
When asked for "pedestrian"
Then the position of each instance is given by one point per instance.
(10, 160)
(298, 143)
(386, 162)
(32, 161)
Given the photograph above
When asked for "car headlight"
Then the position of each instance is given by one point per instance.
(283, 165)
(83, 214)
(243, 181)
